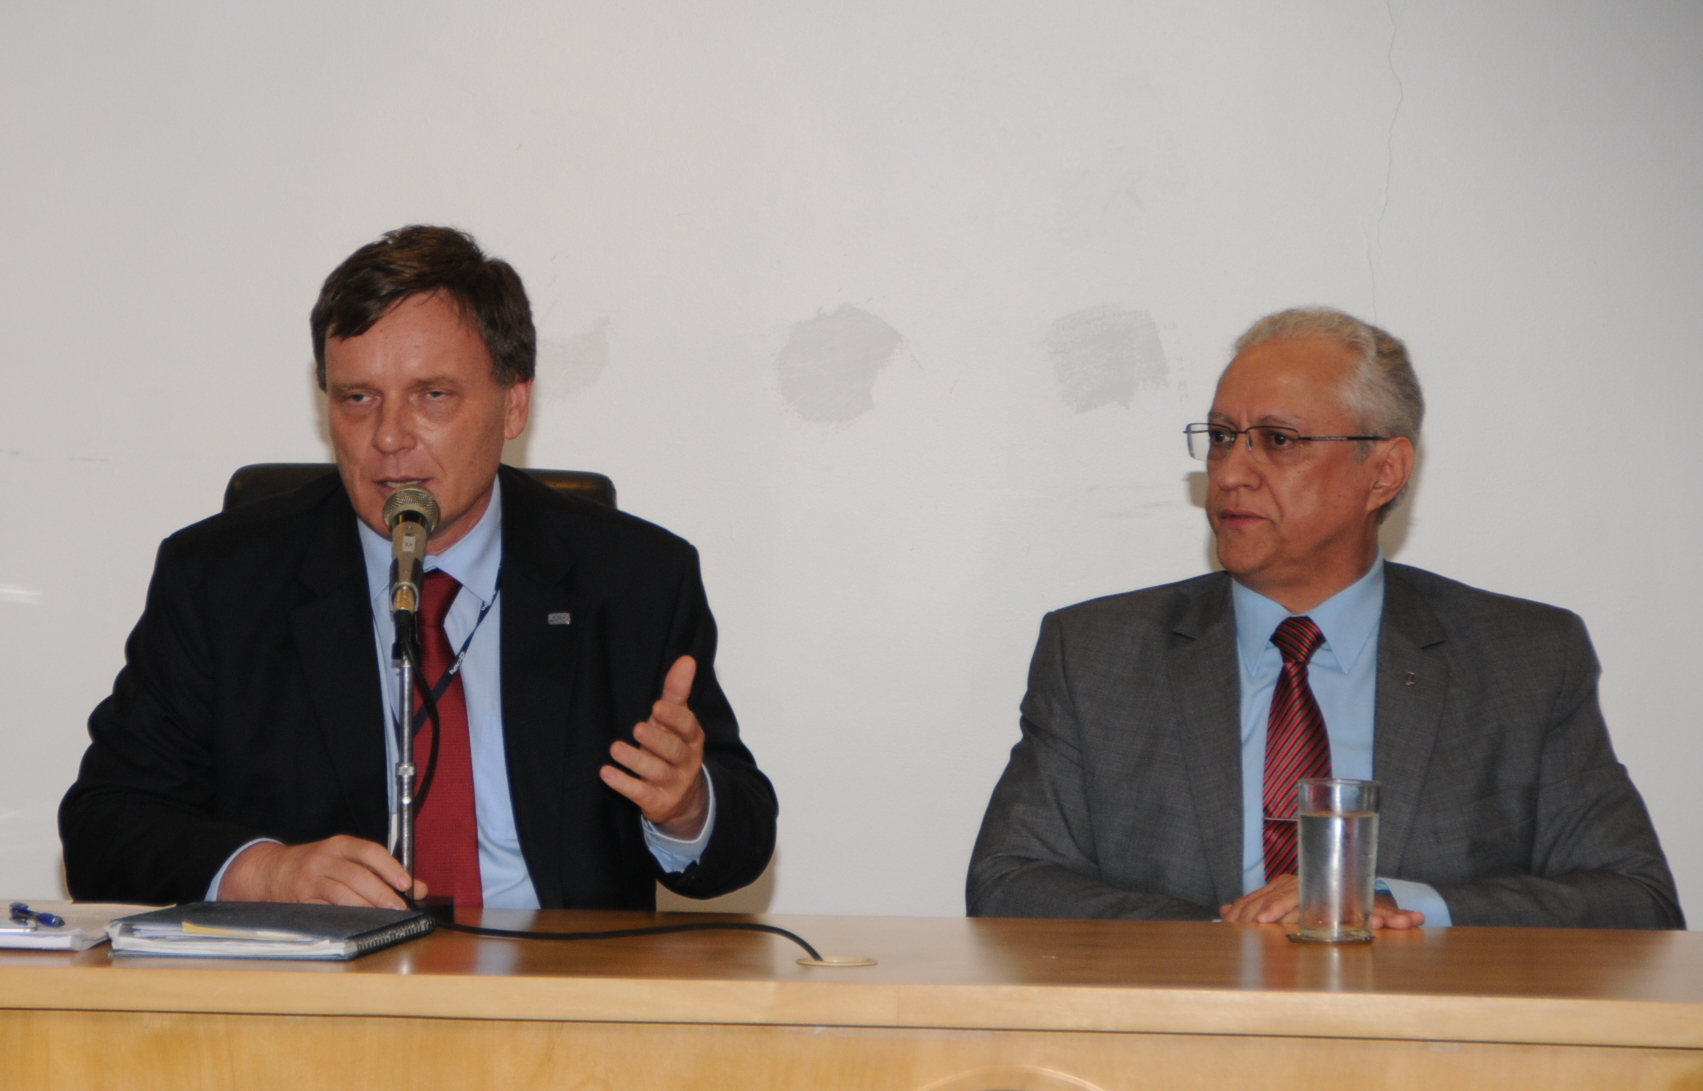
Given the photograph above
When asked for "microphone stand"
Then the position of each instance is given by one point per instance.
(405, 770)
(411, 514)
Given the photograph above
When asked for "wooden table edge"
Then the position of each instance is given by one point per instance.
(1412, 1017)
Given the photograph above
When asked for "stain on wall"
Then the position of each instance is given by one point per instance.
(572, 363)
(1100, 355)
(828, 365)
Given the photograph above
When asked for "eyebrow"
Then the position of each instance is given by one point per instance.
(430, 381)
(1269, 418)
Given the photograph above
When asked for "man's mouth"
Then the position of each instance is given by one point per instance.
(1237, 517)
(391, 484)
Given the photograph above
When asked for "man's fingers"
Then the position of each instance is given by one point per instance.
(1398, 919)
(662, 742)
(1386, 914)
(373, 857)
(661, 772)
(646, 796)
(1276, 901)
(677, 687)
(1279, 902)
(646, 765)
(368, 874)
(362, 887)
(1249, 910)
(335, 892)
(340, 870)
(350, 880)
(677, 719)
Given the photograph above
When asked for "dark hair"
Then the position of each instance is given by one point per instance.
(417, 260)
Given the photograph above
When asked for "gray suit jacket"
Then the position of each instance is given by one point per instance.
(1124, 796)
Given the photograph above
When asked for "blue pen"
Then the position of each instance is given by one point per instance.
(22, 912)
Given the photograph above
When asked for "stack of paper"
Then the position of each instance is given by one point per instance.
(85, 925)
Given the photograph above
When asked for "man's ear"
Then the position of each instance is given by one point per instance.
(1395, 466)
(519, 409)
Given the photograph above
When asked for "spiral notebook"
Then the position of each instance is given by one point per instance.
(265, 930)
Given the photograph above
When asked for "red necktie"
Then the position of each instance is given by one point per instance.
(1296, 746)
(446, 830)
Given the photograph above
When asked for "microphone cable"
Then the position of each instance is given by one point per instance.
(627, 933)
(410, 645)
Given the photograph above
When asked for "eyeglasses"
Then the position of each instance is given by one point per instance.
(1269, 443)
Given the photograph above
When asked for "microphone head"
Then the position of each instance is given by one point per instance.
(414, 501)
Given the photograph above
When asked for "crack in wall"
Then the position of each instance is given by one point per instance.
(1375, 246)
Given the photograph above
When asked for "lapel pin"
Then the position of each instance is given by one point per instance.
(565, 618)
(1411, 679)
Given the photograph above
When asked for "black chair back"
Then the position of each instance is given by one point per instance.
(264, 479)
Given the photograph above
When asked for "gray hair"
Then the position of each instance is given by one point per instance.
(1383, 392)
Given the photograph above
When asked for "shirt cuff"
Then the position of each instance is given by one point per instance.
(672, 853)
(213, 887)
(1420, 896)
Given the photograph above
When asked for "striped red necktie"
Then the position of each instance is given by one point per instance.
(446, 831)
(1296, 746)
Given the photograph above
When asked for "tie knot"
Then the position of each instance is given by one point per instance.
(1297, 639)
(437, 596)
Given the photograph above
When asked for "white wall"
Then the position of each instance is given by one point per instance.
(895, 309)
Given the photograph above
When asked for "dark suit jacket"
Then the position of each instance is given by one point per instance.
(250, 703)
(1124, 796)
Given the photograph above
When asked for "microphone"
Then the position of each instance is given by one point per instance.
(411, 514)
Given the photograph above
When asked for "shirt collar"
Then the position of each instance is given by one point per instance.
(475, 561)
(1348, 619)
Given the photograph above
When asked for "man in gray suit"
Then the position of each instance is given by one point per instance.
(1143, 785)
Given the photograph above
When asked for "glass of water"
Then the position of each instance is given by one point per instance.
(1339, 859)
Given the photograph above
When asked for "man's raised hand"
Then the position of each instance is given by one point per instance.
(667, 765)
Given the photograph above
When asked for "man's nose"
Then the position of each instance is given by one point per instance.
(395, 430)
(1235, 468)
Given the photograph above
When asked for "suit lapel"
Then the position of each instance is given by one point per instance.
(333, 628)
(1413, 682)
(539, 663)
(1209, 715)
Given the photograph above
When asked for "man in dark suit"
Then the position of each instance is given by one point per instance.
(1163, 730)
(244, 754)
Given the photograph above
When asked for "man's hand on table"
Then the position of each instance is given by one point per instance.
(669, 787)
(340, 870)
(1279, 901)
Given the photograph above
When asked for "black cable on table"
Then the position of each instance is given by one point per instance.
(628, 933)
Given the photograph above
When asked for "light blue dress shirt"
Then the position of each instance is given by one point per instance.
(476, 562)
(1343, 675)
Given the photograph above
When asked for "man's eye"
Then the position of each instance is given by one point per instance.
(1279, 440)
(1220, 438)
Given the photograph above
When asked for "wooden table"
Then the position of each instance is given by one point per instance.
(952, 1005)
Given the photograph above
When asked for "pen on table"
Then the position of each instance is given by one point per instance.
(22, 912)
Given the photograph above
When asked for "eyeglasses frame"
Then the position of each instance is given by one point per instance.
(1207, 426)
